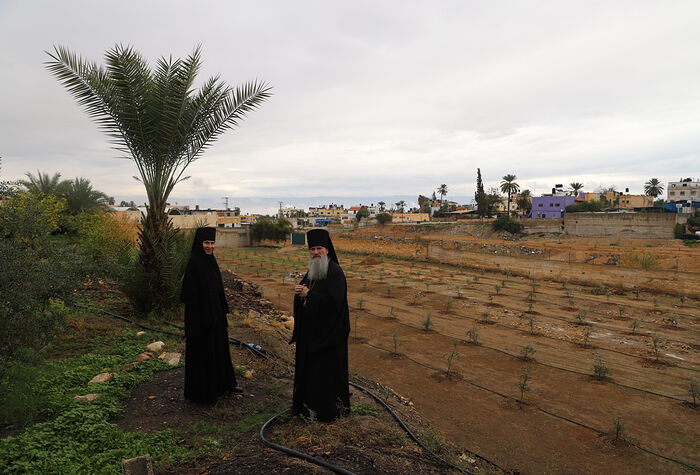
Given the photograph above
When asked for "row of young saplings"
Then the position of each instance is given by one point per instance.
(599, 369)
(579, 318)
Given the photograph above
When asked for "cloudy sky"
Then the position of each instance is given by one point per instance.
(379, 99)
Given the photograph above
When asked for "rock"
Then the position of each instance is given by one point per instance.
(248, 374)
(138, 466)
(140, 334)
(173, 359)
(143, 357)
(156, 346)
(87, 397)
(101, 378)
(253, 314)
(128, 366)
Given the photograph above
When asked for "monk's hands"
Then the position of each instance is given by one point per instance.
(301, 290)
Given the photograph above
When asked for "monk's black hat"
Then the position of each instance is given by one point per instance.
(321, 237)
(205, 234)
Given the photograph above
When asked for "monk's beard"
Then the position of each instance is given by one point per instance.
(318, 267)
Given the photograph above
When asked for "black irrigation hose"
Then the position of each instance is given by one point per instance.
(634, 388)
(264, 354)
(544, 411)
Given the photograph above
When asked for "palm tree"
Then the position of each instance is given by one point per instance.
(381, 205)
(442, 191)
(43, 183)
(525, 201)
(400, 205)
(653, 188)
(509, 186)
(575, 188)
(81, 197)
(157, 118)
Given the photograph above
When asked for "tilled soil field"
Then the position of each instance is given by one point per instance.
(541, 372)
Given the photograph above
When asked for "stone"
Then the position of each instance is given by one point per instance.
(101, 378)
(138, 466)
(248, 374)
(143, 357)
(156, 346)
(87, 397)
(128, 366)
(140, 334)
(253, 314)
(173, 359)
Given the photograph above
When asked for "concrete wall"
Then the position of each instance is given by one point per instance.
(631, 225)
(232, 237)
(534, 226)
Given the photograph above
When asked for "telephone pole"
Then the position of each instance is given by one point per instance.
(225, 198)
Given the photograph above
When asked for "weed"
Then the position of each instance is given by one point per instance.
(485, 316)
(571, 302)
(392, 313)
(655, 302)
(581, 316)
(360, 303)
(473, 335)
(490, 298)
(388, 290)
(452, 355)
(416, 295)
(607, 295)
(364, 410)
(530, 306)
(476, 278)
(531, 323)
(357, 316)
(497, 289)
(363, 288)
(524, 381)
(682, 299)
(531, 296)
(428, 322)
(527, 352)
(600, 369)
(636, 293)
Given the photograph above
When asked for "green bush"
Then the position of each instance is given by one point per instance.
(679, 231)
(504, 223)
(585, 206)
(270, 228)
(383, 218)
(30, 217)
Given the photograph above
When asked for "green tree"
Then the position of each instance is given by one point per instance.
(442, 191)
(424, 204)
(525, 201)
(400, 206)
(383, 218)
(382, 206)
(480, 195)
(509, 186)
(575, 188)
(362, 213)
(161, 122)
(653, 188)
(43, 183)
(81, 197)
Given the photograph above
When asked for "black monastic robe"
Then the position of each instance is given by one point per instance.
(321, 330)
(208, 367)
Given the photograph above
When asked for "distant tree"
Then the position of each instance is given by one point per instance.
(442, 191)
(525, 201)
(383, 218)
(43, 183)
(381, 206)
(81, 197)
(509, 186)
(434, 198)
(653, 188)
(424, 204)
(575, 188)
(585, 206)
(490, 201)
(363, 213)
(270, 228)
(480, 195)
(400, 206)
(129, 204)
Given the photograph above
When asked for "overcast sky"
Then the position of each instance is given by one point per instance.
(380, 98)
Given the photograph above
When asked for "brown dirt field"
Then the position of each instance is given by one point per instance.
(561, 425)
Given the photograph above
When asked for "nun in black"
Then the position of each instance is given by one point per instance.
(208, 368)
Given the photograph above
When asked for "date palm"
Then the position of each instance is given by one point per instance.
(400, 205)
(509, 186)
(157, 119)
(653, 188)
(575, 188)
(80, 196)
(442, 191)
(43, 183)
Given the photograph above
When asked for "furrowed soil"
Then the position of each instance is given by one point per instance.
(481, 303)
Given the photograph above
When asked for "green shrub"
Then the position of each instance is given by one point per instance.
(383, 218)
(585, 207)
(270, 228)
(504, 223)
(679, 231)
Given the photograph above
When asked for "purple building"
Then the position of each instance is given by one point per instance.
(549, 206)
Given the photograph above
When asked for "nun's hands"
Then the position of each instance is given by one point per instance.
(301, 290)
